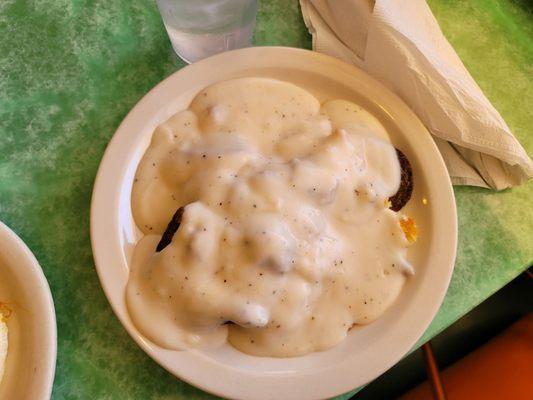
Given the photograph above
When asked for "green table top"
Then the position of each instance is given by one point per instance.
(70, 70)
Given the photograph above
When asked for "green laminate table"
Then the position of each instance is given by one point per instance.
(69, 72)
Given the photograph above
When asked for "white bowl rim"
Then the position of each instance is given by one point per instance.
(15, 251)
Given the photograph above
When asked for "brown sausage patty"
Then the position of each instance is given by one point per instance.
(402, 196)
(398, 201)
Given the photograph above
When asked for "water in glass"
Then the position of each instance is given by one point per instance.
(200, 28)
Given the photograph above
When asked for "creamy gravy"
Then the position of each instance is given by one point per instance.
(286, 230)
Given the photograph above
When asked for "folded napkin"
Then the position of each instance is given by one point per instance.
(400, 43)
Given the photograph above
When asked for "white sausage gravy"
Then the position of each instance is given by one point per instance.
(286, 239)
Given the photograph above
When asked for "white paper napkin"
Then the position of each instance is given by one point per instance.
(400, 43)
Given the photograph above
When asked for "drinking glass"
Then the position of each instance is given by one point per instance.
(200, 28)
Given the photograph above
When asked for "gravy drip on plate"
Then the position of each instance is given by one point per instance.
(286, 230)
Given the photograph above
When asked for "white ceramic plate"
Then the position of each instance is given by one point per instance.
(31, 355)
(369, 350)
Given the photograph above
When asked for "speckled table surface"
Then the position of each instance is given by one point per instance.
(69, 72)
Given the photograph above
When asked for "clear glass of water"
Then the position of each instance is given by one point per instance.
(201, 28)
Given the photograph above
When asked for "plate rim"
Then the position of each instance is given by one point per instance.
(219, 387)
(10, 238)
